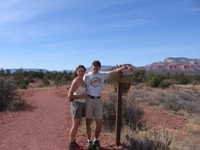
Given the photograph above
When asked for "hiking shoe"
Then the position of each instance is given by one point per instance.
(74, 146)
(90, 145)
(97, 145)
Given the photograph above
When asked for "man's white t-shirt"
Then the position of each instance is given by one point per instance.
(94, 82)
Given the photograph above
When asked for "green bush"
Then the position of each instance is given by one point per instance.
(155, 80)
(184, 80)
(22, 84)
(165, 83)
(46, 81)
(138, 76)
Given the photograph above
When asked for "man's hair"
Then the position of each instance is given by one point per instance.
(96, 63)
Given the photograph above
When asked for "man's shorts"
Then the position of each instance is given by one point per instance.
(78, 109)
(94, 109)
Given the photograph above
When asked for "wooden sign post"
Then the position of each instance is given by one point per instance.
(119, 110)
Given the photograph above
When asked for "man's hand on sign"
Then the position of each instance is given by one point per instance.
(130, 68)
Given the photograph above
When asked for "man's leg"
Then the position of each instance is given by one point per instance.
(89, 117)
(99, 118)
(98, 128)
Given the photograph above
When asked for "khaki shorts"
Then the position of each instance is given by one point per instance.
(78, 109)
(94, 109)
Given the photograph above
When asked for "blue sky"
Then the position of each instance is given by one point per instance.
(62, 34)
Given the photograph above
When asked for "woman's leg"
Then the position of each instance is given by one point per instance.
(88, 127)
(74, 129)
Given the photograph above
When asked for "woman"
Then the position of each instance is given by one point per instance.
(77, 96)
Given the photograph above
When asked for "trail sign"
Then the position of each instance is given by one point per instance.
(119, 110)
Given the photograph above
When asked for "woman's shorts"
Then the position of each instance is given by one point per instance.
(78, 109)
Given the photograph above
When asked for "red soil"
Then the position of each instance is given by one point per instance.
(47, 125)
(156, 117)
(43, 128)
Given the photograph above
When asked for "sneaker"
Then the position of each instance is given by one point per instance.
(97, 145)
(74, 146)
(90, 145)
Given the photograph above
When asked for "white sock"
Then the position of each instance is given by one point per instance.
(95, 139)
(89, 140)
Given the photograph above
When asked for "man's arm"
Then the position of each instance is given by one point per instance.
(121, 68)
(129, 68)
(115, 72)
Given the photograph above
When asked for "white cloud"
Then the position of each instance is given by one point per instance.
(23, 10)
(20, 20)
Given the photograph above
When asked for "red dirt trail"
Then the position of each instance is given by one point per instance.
(45, 127)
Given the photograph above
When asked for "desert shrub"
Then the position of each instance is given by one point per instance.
(138, 76)
(46, 81)
(165, 83)
(109, 114)
(154, 80)
(9, 98)
(184, 79)
(23, 84)
(131, 113)
(150, 140)
(184, 99)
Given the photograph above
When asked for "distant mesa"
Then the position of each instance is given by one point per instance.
(175, 65)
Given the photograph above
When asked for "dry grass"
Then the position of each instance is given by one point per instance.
(178, 100)
(181, 101)
(131, 113)
(154, 139)
(193, 128)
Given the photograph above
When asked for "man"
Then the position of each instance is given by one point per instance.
(94, 106)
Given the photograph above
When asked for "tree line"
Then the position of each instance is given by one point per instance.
(23, 78)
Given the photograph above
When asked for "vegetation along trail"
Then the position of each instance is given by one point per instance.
(45, 127)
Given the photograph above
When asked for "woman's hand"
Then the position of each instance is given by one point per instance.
(69, 98)
(83, 96)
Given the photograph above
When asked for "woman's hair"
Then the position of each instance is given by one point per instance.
(78, 67)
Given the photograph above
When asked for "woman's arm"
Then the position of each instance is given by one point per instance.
(73, 87)
(71, 90)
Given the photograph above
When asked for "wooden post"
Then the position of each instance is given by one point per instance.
(119, 110)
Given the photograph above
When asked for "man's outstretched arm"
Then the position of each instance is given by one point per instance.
(121, 68)
(113, 74)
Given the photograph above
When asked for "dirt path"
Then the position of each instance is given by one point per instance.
(46, 127)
